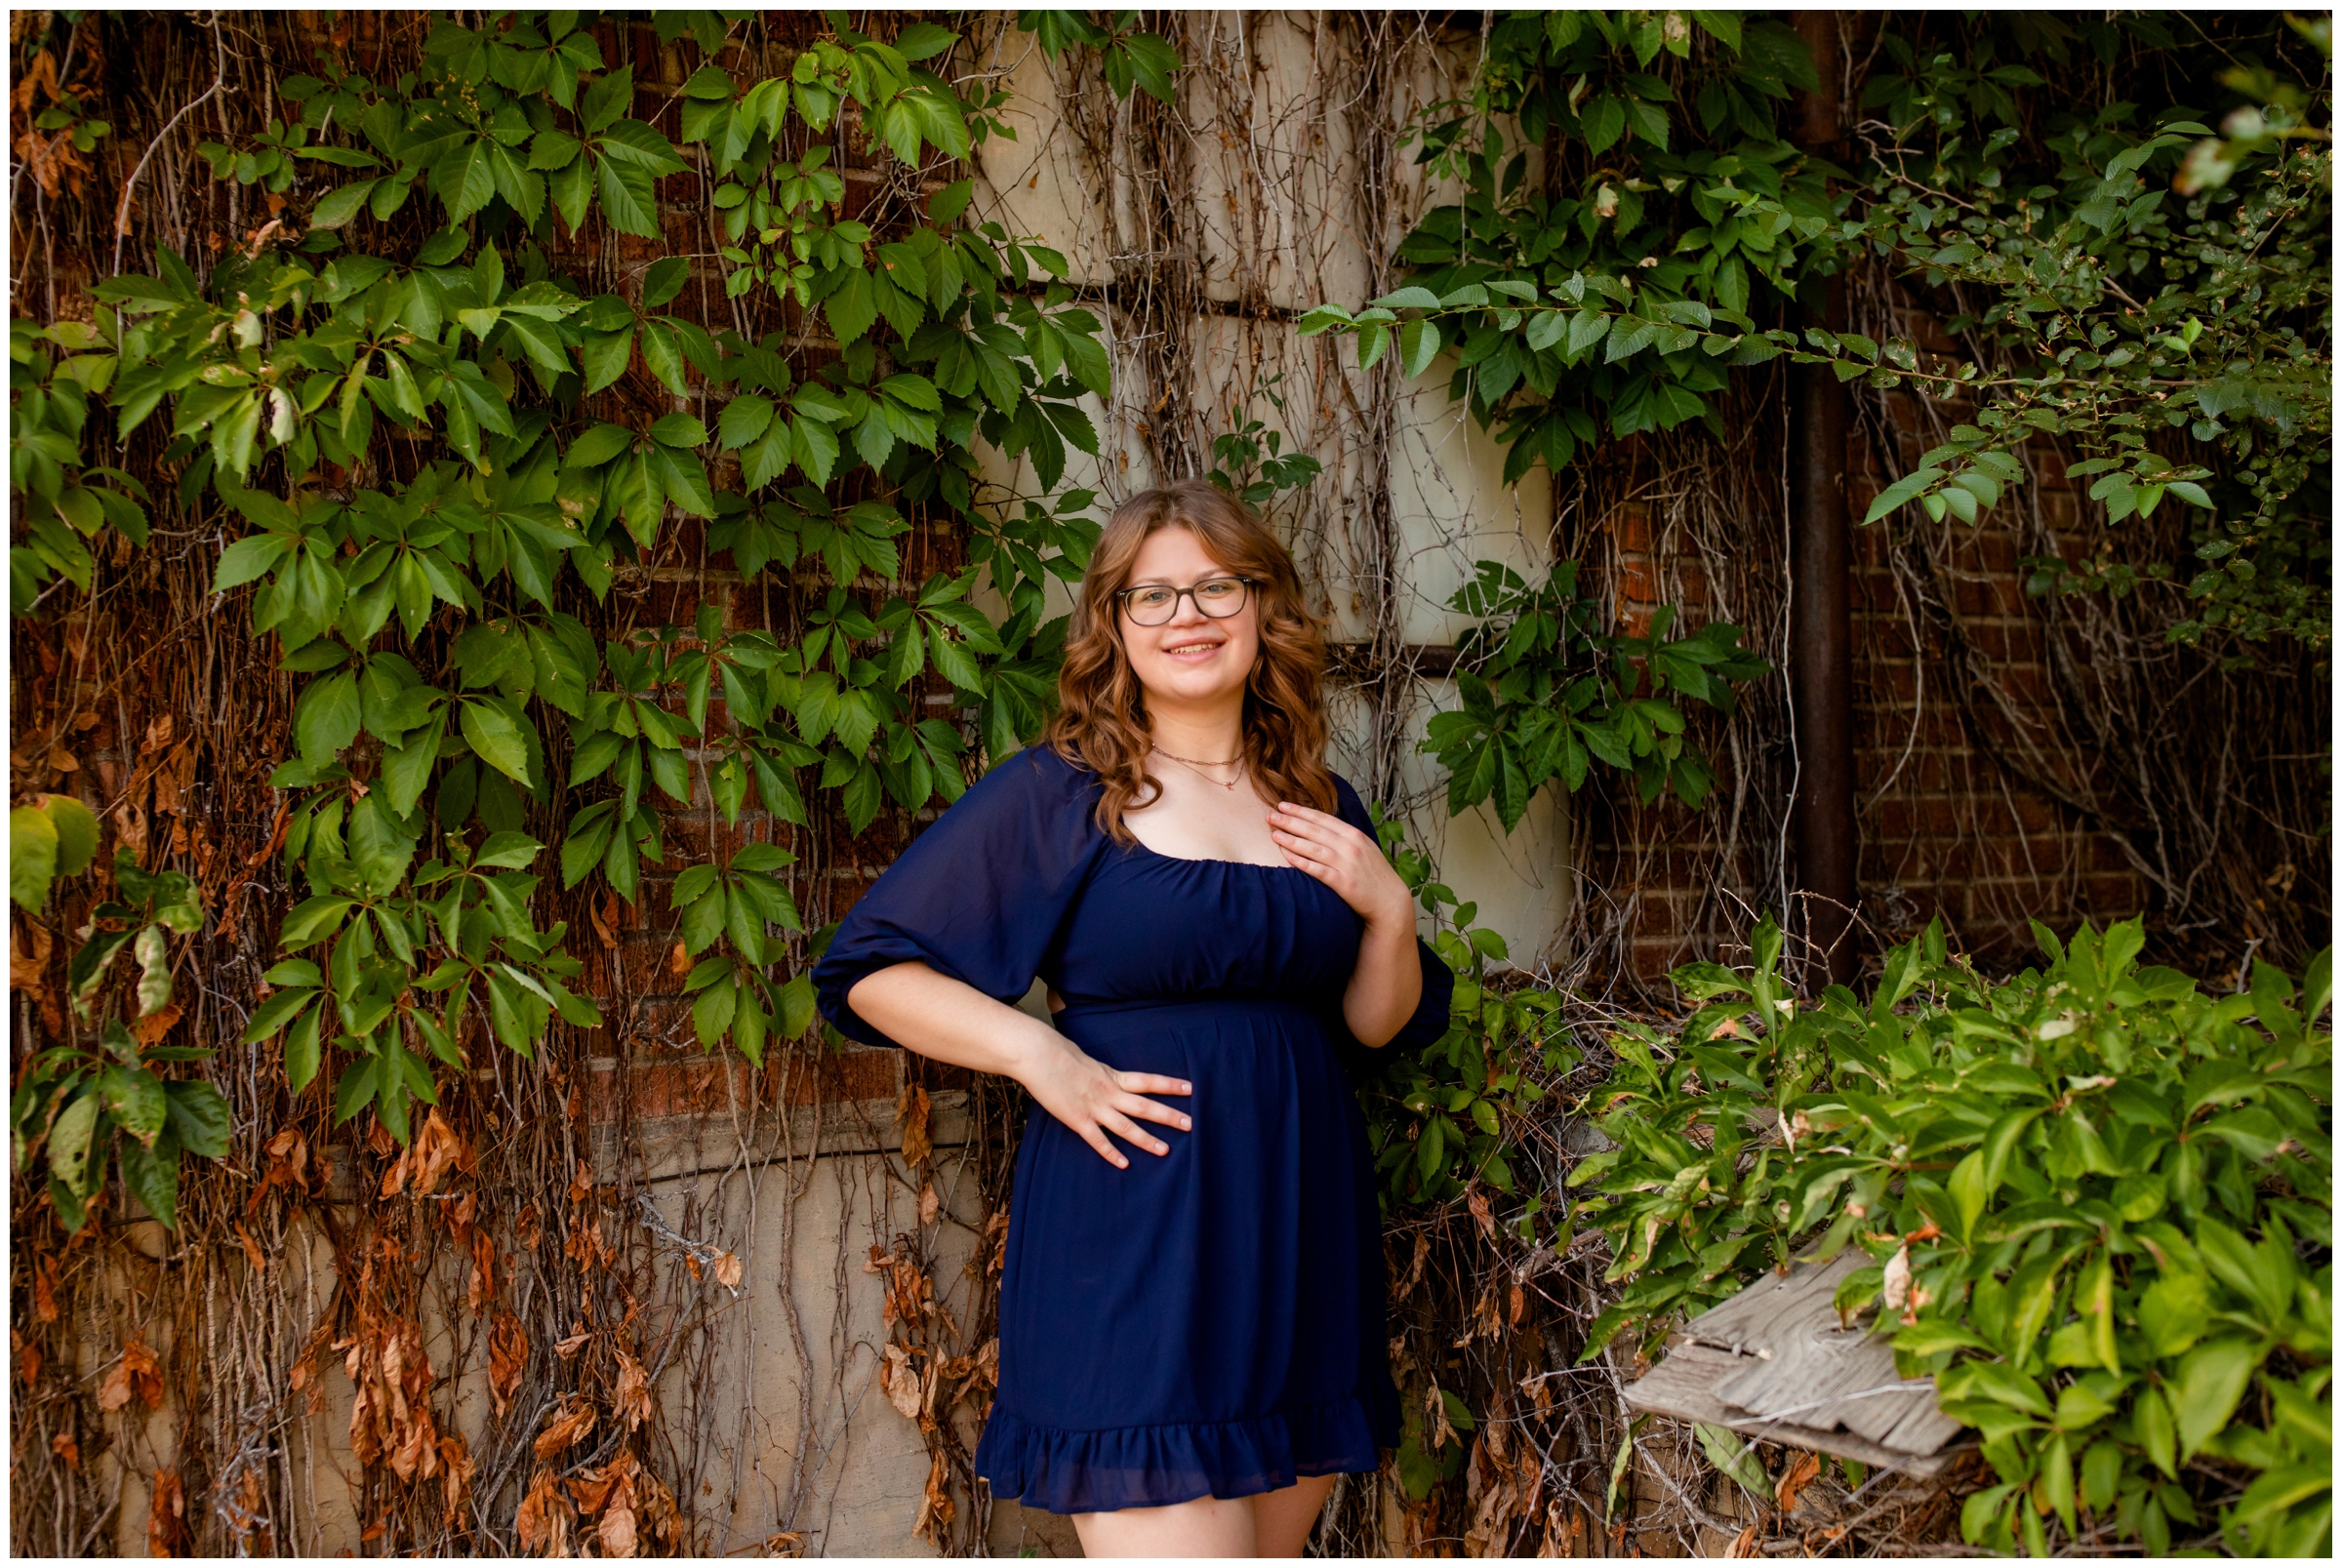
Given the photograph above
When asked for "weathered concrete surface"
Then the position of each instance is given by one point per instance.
(1271, 220)
(780, 1407)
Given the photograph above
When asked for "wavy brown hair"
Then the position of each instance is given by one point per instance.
(1101, 721)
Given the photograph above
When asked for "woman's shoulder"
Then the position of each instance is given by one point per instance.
(1348, 802)
(1036, 777)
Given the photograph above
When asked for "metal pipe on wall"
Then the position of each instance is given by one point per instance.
(1821, 656)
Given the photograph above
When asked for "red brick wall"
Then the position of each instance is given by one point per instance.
(1947, 827)
(1953, 671)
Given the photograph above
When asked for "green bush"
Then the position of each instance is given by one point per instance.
(1439, 1118)
(71, 1099)
(2099, 1201)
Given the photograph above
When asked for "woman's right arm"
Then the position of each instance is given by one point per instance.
(954, 1022)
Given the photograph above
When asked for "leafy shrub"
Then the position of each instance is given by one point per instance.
(62, 501)
(2099, 1203)
(1544, 693)
(1437, 1120)
(71, 1099)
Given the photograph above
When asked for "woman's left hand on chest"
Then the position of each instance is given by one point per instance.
(1345, 860)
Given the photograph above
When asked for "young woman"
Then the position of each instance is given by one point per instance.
(1191, 1329)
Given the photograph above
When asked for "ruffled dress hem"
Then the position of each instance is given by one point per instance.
(1065, 1470)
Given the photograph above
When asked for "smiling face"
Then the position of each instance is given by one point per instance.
(1193, 661)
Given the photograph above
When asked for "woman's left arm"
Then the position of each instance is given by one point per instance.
(1387, 985)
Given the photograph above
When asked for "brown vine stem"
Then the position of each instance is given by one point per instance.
(129, 187)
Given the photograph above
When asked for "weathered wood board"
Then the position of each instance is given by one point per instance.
(1774, 1363)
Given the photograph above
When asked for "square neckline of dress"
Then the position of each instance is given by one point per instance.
(1210, 860)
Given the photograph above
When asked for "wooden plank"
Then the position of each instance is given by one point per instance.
(1788, 1364)
(1802, 1295)
(1681, 1387)
(1823, 1377)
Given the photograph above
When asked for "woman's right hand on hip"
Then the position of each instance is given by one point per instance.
(1095, 1099)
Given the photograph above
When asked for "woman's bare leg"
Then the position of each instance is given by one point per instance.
(1207, 1527)
(1281, 1521)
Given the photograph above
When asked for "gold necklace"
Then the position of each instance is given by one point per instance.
(1196, 765)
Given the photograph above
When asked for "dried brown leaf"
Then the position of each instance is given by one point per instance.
(130, 828)
(901, 1381)
(167, 1516)
(29, 948)
(136, 1372)
(479, 1294)
(437, 1150)
(1423, 1253)
(566, 1427)
(542, 1522)
(175, 779)
(618, 1531)
(455, 1468)
(911, 1111)
(604, 913)
(936, 1508)
(988, 1363)
(1894, 1288)
(288, 1166)
(634, 1391)
(1800, 1473)
(591, 1491)
(150, 1029)
(507, 1358)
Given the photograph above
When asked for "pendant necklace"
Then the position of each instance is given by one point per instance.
(1196, 765)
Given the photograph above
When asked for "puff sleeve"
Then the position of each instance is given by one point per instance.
(1430, 1019)
(979, 895)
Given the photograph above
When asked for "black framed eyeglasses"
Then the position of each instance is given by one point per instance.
(1152, 604)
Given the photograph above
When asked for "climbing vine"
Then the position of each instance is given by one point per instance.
(422, 610)
(2153, 293)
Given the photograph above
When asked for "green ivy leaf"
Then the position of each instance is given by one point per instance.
(199, 1118)
(493, 733)
(32, 854)
(152, 1177)
(326, 717)
(608, 100)
(1419, 344)
(69, 1145)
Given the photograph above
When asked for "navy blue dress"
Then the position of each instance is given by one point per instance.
(1210, 1321)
